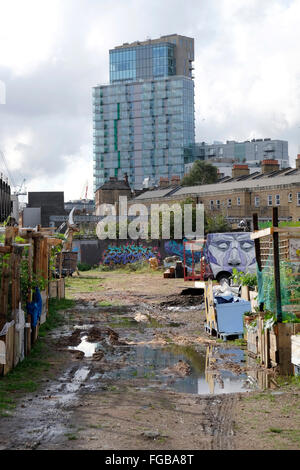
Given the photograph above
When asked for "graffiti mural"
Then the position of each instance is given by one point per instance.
(175, 248)
(129, 253)
(225, 251)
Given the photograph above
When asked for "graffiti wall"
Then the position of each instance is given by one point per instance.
(94, 252)
(129, 253)
(225, 251)
(175, 248)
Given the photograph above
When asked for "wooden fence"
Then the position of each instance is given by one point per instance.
(25, 275)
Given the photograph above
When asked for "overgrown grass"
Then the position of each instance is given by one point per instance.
(290, 380)
(137, 267)
(81, 285)
(27, 375)
(105, 303)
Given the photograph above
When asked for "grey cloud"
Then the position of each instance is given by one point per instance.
(55, 100)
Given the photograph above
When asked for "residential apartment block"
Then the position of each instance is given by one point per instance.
(251, 152)
(144, 118)
(240, 196)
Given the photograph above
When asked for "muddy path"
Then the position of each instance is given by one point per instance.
(130, 379)
(135, 370)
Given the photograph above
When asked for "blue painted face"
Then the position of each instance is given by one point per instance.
(226, 251)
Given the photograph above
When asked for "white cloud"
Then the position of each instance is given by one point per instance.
(77, 171)
(247, 74)
(27, 33)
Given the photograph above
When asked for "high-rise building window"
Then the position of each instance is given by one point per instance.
(148, 107)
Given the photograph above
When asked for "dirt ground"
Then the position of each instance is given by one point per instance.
(134, 369)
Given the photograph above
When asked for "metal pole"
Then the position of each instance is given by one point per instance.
(257, 253)
(276, 266)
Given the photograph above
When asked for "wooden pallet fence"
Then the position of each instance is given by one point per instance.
(273, 346)
(16, 332)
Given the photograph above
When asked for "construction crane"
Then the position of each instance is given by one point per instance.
(18, 191)
(84, 193)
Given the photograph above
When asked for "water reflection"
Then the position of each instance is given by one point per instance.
(158, 365)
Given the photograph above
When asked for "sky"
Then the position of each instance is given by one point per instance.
(52, 52)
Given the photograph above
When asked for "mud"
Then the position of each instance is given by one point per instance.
(142, 375)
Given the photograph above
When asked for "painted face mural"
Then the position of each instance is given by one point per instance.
(226, 251)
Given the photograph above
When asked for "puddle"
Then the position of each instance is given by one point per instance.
(125, 323)
(157, 365)
(83, 327)
(150, 323)
(79, 377)
(185, 308)
(86, 347)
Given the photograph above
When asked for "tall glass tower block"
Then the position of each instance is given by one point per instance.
(145, 117)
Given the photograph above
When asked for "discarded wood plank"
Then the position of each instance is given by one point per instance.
(261, 233)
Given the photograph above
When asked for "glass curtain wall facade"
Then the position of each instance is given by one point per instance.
(144, 119)
(142, 62)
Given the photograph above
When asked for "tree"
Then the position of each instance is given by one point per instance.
(216, 224)
(201, 173)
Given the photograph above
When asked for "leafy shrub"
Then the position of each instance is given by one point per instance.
(244, 279)
(84, 267)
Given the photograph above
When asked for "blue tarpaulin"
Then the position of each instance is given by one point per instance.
(35, 308)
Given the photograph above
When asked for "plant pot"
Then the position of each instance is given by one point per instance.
(248, 319)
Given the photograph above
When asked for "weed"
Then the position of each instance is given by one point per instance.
(77, 285)
(238, 342)
(112, 388)
(288, 380)
(26, 375)
(104, 303)
(71, 437)
(275, 430)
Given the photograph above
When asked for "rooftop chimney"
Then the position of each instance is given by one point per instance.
(298, 161)
(240, 170)
(268, 166)
(175, 180)
(164, 182)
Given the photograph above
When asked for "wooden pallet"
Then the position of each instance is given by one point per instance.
(222, 335)
(209, 330)
(230, 336)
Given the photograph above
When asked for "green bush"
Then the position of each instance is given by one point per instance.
(244, 279)
(84, 267)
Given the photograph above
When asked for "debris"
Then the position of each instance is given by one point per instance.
(151, 434)
(139, 317)
(171, 261)
(98, 355)
(181, 368)
(77, 354)
(153, 263)
(74, 339)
